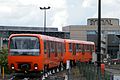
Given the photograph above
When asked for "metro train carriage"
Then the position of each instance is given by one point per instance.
(77, 50)
(32, 53)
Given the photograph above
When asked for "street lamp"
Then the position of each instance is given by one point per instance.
(45, 8)
(99, 34)
(99, 40)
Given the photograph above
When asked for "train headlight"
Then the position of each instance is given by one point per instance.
(12, 66)
(35, 66)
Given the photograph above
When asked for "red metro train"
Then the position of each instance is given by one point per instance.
(32, 53)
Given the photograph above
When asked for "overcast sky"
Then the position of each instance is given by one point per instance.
(61, 13)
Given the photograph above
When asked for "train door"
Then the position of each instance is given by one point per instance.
(83, 52)
(77, 52)
(74, 49)
(59, 49)
(80, 51)
(47, 48)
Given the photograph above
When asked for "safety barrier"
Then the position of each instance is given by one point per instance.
(92, 72)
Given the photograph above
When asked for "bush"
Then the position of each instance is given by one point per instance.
(3, 59)
(3, 56)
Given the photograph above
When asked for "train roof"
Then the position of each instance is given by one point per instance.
(79, 41)
(44, 37)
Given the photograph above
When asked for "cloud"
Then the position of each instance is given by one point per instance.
(89, 3)
(109, 9)
(61, 13)
(27, 12)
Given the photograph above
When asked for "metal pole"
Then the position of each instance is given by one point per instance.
(45, 8)
(99, 34)
(99, 41)
(44, 20)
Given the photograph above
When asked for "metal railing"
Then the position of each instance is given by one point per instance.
(92, 72)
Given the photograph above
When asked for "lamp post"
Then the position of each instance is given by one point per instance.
(45, 8)
(99, 34)
(99, 40)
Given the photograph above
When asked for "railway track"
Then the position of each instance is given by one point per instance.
(51, 75)
(58, 75)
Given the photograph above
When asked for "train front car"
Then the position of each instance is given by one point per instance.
(25, 53)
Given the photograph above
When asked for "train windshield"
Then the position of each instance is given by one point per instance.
(24, 46)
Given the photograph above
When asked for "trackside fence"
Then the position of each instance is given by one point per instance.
(92, 72)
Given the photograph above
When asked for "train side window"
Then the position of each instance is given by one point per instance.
(45, 46)
(52, 44)
(63, 47)
(83, 48)
(77, 47)
(74, 49)
(48, 45)
(80, 47)
(92, 47)
(88, 47)
(56, 49)
(70, 47)
(59, 47)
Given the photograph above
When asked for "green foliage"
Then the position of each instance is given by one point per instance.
(3, 59)
(3, 56)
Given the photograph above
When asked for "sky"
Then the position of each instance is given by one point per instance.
(27, 13)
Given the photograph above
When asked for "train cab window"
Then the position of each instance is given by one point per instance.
(24, 45)
(70, 47)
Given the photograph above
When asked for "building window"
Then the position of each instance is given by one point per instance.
(91, 32)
